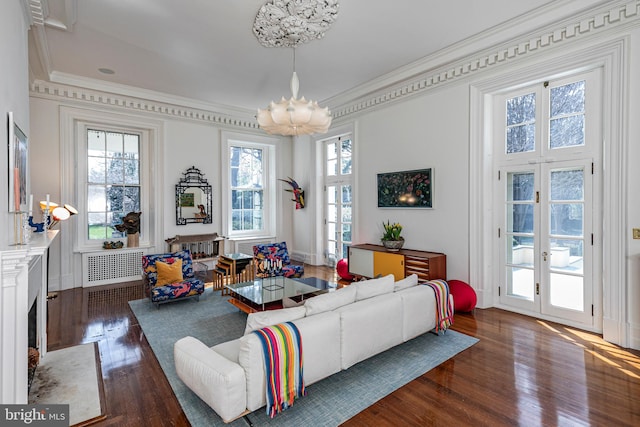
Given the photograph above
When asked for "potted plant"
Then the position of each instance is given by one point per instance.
(391, 239)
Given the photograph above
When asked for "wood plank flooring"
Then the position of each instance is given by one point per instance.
(523, 371)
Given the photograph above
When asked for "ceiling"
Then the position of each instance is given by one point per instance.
(205, 50)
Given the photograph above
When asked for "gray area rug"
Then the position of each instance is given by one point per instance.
(71, 376)
(329, 402)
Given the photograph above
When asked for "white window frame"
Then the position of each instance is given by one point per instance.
(268, 145)
(74, 126)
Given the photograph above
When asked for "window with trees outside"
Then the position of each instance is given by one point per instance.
(113, 185)
(247, 188)
(248, 183)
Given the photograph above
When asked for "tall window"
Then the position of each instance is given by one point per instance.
(338, 197)
(248, 183)
(247, 188)
(113, 181)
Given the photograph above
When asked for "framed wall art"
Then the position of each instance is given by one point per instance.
(408, 189)
(18, 151)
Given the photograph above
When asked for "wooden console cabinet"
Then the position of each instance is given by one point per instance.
(203, 247)
(374, 260)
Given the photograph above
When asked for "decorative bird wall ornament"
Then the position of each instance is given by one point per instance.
(298, 193)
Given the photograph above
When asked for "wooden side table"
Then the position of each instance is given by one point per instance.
(232, 268)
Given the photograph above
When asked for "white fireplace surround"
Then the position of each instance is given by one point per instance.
(16, 298)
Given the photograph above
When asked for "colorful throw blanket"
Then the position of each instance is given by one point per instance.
(282, 347)
(444, 305)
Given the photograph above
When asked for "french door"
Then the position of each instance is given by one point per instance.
(546, 147)
(546, 249)
(338, 198)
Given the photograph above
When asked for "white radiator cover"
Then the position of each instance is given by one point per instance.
(111, 266)
(246, 246)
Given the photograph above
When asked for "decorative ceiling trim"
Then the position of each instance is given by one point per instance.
(426, 75)
(288, 23)
(597, 22)
(37, 11)
(64, 93)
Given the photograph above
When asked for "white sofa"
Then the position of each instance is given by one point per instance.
(338, 330)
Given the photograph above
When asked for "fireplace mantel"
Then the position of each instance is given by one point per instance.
(14, 313)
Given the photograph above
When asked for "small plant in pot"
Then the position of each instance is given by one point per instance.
(391, 238)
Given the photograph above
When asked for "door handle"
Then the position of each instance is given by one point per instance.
(544, 256)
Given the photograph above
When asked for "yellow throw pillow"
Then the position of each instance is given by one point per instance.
(169, 273)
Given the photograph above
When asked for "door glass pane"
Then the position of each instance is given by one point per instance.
(520, 186)
(520, 218)
(566, 219)
(331, 231)
(567, 255)
(567, 291)
(567, 115)
(346, 233)
(346, 194)
(332, 213)
(520, 133)
(567, 184)
(520, 282)
(332, 159)
(332, 194)
(346, 214)
(345, 157)
(520, 251)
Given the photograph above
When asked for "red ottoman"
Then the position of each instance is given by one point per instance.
(342, 268)
(464, 297)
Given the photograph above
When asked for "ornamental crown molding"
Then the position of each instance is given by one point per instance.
(430, 72)
(74, 94)
(288, 23)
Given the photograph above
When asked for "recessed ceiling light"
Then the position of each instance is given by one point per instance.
(106, 71)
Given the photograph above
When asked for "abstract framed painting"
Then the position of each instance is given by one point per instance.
(18, 152)
(408, 189)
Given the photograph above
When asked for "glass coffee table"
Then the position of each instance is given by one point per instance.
(260, 294)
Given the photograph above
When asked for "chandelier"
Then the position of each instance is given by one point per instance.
(294, 116)
(287, 23)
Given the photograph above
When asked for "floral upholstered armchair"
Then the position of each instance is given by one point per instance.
(272, 259)
(173, 276)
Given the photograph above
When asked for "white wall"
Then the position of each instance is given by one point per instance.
(186, 143)
(430, 131)
(14, 96)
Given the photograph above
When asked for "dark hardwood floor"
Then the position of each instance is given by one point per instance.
(523, 371)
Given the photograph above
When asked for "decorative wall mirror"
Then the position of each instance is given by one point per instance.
(193, 198)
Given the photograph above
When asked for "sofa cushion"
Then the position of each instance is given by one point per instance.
(369, 327)
(418, 311)
(321, 345)
(374, 287)
(229, 349)
(330, 301)
(273, 317)
(169, 272)
(405, 283)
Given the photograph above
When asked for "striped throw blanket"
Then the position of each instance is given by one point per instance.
(282, 347)
(444, 305)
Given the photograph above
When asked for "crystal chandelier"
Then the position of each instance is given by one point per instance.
(294, 116)
(288, 23)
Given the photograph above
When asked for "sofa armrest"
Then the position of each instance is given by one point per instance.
(219, 382)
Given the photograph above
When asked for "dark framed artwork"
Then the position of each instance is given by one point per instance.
(18, 151)
(408, 189)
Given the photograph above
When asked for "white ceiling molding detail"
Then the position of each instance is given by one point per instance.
(599, 21)
(289, 23)
(383, 91)
(59, 92)
(37, 10)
